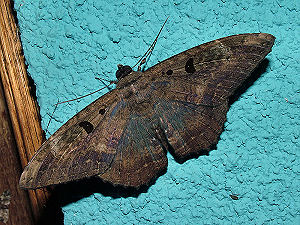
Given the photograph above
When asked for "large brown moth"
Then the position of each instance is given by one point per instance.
(180, 104)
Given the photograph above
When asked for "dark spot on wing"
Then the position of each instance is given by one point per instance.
(189, 66)
(87, 126)
(102, 111)
(169, 72)
(162, 72)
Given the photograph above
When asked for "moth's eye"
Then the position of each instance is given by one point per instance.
(102, 111)
(87, 126)
(169, 72)
(189, 66)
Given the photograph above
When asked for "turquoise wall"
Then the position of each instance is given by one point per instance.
(69, 43)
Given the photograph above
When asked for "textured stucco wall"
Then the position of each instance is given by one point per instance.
(68, 43)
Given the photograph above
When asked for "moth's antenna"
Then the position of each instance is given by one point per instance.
(51, 116)
(102, 79)
(142, 60)
(111, 82)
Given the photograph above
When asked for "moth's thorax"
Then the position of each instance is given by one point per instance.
(133, 88)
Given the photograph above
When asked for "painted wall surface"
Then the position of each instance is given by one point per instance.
(68, 43)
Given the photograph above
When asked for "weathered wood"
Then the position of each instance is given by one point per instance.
(23, 109)
(10, 170)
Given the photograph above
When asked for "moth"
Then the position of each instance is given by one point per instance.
(180, 105)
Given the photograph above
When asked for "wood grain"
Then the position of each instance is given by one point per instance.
(10, 170)
(22, 108)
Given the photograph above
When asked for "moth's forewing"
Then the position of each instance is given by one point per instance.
(107, 138)
(193, 87)
(211, 72)
(73, 152)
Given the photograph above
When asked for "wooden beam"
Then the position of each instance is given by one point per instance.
(18, 207)
(23, 109)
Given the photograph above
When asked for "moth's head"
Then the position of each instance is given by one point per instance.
(123, 71)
